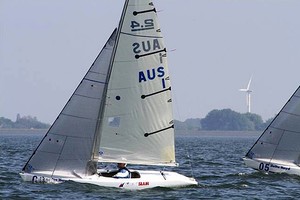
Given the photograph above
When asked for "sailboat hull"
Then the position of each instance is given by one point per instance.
(148, 179)
(272, 167)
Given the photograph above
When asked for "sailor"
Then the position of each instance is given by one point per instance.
(123, 172)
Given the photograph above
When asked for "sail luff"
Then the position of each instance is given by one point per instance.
(92, 164)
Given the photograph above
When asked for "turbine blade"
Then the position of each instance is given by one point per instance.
(248, 86)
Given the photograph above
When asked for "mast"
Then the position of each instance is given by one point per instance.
(98, 131)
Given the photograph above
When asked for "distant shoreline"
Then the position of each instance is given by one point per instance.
(178, 133)
(218, 133)
(15, 131)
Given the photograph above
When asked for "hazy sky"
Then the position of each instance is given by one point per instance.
(47, 46)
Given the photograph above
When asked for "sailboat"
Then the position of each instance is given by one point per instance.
(121, 112)
(277, 150)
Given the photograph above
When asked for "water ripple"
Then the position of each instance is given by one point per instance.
(215, 162)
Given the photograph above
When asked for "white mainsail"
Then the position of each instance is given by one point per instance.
(68, 144)
(137, 125)
(279, 143)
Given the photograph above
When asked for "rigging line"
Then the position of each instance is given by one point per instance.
(144, 11)
(186, 146)
(189, 159)
(61, 150)
(147, 36)
(147, 134)
(147, 54)
(276, 147)
(154, 93)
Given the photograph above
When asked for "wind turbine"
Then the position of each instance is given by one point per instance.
(248, 95)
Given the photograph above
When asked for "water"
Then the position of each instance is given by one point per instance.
(216, 162)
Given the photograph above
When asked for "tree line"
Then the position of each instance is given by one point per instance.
(25, 122)
(225, 120)
(215, 120)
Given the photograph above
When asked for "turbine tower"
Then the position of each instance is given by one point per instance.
(248, 95)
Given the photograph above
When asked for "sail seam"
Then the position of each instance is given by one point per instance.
(147, 36)
(296, 96)
(285, 129)
(93, 72)
(78, 117)
(87, 96)
(94, 81)
(289, 150)
(50, 153)
(291, 113)
(66, 135)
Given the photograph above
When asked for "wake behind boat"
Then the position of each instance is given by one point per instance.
(121, 112)
(277, 150)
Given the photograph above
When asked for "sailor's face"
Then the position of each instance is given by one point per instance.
(121, 165)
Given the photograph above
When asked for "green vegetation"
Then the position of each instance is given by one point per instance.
(215, 120)
(25, 122)
(225, 120)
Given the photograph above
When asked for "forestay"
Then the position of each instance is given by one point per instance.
(137, 125)
(279, 143)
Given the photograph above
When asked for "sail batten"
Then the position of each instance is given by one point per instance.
(143, 36)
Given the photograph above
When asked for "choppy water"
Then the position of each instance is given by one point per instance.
(216, 163)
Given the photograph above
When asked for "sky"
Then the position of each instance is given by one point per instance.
(214, 47)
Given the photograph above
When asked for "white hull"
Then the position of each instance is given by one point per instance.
(272, 167)
(149, 179)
